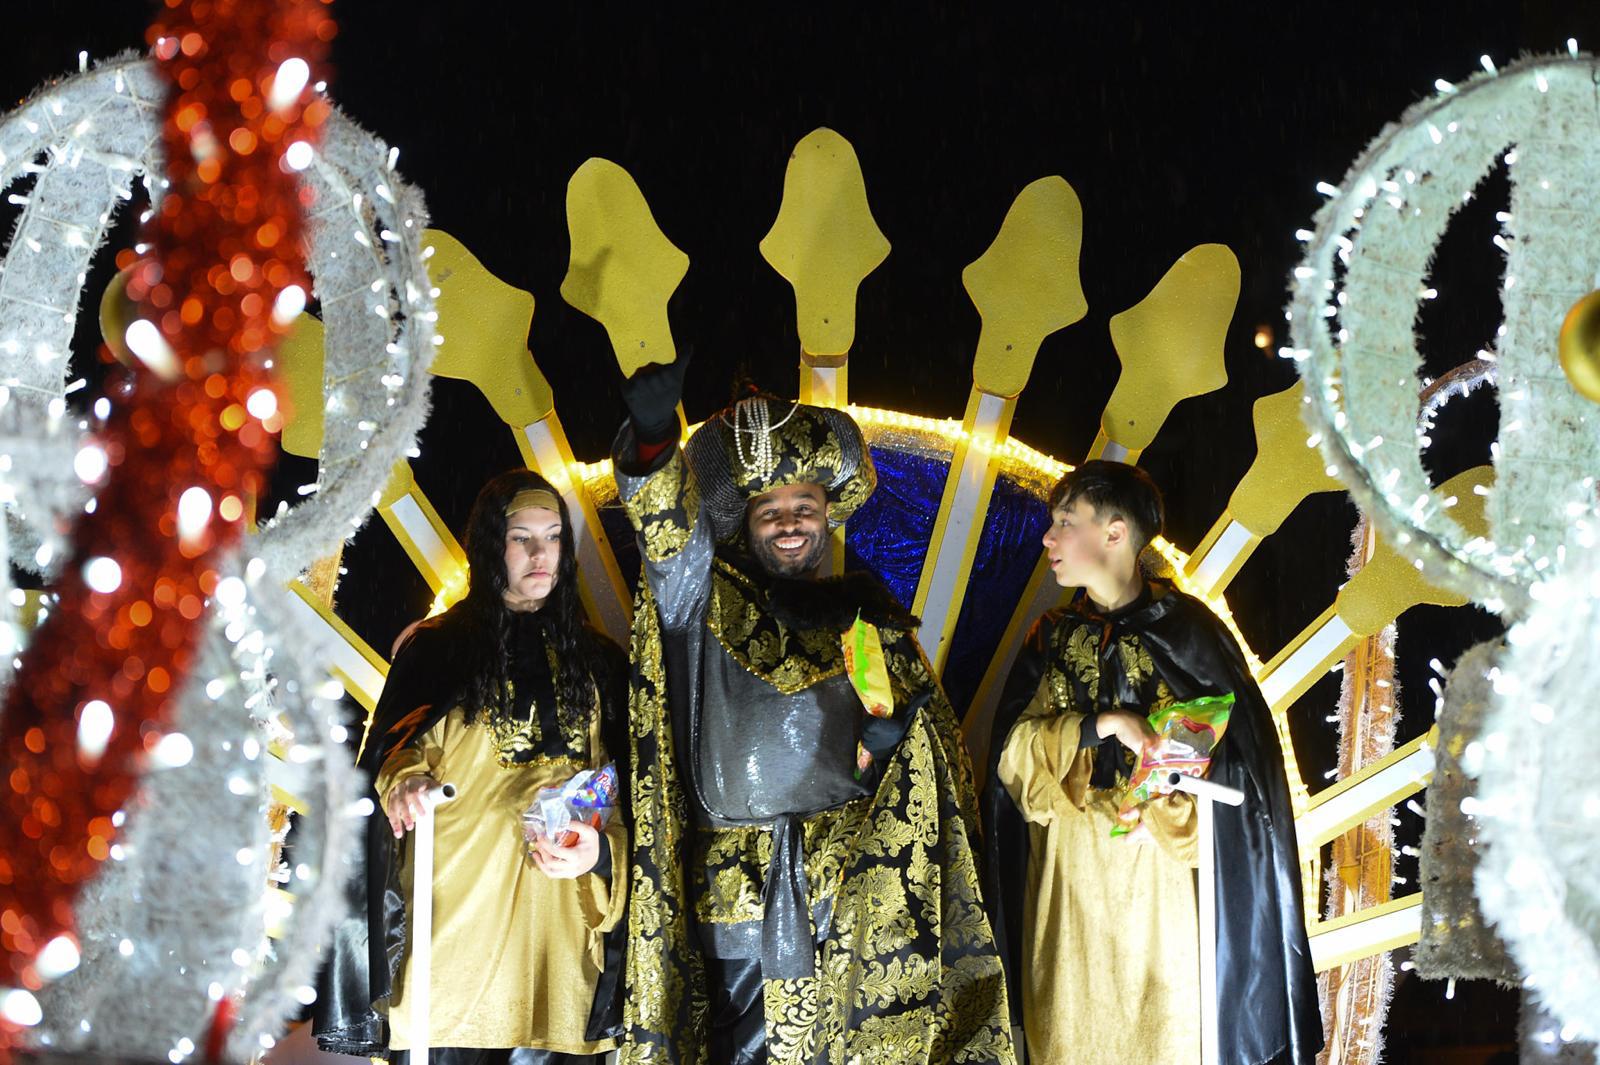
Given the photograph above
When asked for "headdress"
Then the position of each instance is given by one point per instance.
(763, 442)
(533, 497)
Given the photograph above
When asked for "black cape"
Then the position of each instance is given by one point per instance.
(429, 677)
(1266, 989)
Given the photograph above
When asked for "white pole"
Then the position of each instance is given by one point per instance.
(1205, 792)
(422, 919)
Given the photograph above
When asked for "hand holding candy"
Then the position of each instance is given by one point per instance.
(1132, 730)
(566, 863)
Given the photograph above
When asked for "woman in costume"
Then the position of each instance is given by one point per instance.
(505, 693)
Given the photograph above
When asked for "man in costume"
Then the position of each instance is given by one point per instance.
(1099, 930)
(505, 693)
(805, 885)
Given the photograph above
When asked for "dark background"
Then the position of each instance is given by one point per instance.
(1177, 125)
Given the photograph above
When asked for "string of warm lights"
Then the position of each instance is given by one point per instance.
(183, 444)
(83, 141)
(1027, 466)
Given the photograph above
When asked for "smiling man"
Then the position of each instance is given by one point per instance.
(806, 885)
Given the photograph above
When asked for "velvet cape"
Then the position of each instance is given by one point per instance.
(1267, 991)
(428, 678)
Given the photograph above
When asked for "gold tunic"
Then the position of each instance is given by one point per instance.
(516, 954)
(1110, 936)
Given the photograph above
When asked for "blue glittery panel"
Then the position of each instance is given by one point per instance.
(1007, 553)
(889, 536)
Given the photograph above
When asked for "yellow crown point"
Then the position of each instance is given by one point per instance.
(299, 361)
(483, 322)
(1026, 285)
(623, 269)
(1286, 468)
(1171, 343)
(824, 241)
(1389, 584)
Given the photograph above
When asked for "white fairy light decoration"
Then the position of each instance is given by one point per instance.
(1353, 340)
(1353, 336)
(184, 895)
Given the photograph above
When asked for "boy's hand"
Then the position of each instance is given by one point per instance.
(1130, 729)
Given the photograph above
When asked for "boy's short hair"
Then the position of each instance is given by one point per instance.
(1115, 490)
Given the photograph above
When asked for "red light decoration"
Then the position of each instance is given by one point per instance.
(193, 423)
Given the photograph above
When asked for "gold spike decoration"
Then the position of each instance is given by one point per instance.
(1286, 470)
(824, 243)
(1025, 287)
(484, 324)
(1171, 345)
(1385, 587)
(623, 268)
(115, 311)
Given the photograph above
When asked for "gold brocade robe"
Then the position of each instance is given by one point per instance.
(1110, 936)
(908, 973)
(516, 954)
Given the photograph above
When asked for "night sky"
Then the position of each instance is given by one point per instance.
(1176, 125)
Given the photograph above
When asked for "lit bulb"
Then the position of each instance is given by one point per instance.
(287, 83)
(152, 349)
(174, 750)
(262, 404)
(102, 574)
(90, 463)
(194, 512)
(95, 725)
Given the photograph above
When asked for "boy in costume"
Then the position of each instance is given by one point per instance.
(805, 883)
(1100, 932)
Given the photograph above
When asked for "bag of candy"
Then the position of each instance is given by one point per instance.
(1186, 734)
(590, 797)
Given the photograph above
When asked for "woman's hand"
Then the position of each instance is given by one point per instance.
(566, 863)
(404, 803)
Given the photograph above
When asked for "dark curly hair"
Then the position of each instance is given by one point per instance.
(486, 621)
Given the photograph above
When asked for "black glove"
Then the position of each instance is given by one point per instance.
(652, 395)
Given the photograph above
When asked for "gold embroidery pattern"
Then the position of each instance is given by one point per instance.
(734, 862)
(909, 972)
(520, 743)
(664, 508)
(664, 975)
(789, 661)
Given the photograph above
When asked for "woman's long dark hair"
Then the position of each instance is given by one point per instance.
(483, 614)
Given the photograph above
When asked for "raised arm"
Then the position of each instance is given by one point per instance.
(658, 490)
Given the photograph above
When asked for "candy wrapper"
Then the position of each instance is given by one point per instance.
(590, 797)
(869, 676)
(1186, 734)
